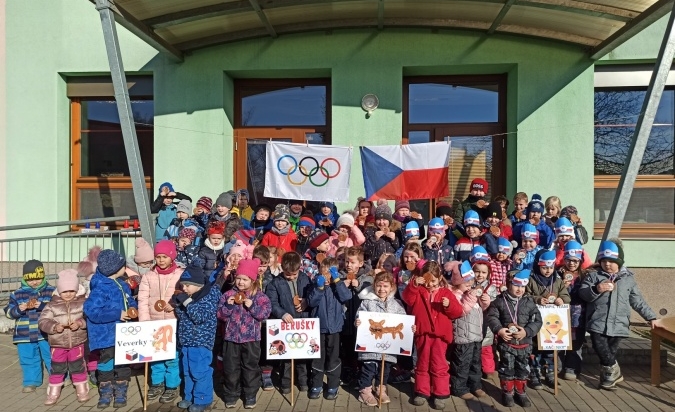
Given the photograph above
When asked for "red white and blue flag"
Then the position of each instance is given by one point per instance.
(405, 172)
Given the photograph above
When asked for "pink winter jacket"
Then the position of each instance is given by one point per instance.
(355, 238)
(154, 287)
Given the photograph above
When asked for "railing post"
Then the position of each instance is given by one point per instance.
(126, 119)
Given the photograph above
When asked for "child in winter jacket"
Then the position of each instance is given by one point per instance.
(221, 212)
(564, 232)
(305, 227)
(535, 210)
(211, 251)
(405, 215)
(165, 208)
(202, 213)
(379, 297)
(515, 319)
(281, 235)
(261, 222)
(524, 258)
(243, 204)
(573, 276)
(63, 321)
(480, 264)
(186, 250)
(319, 242)
(182, 221)
(109, 303)
(364, 214)
(434, 307)
(242, 310)
(346, 234)
(472, 228)
(465, 366)
(412, 254)
(436, 248)
(610, 292)
(495, 226)
(25, 306)
(519, 214)
(382, 237)
(546, 288)
(288, 295)
(501, 263)
(139, 264)
(326, 218)
(326, 298)
(154, 296)
(196, 312)
(477, 191)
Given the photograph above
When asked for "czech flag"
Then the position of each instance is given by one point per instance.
(360, 348)
(404, 172)
(405, 352)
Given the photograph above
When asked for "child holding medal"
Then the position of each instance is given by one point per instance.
(515, 319)
(154, 295)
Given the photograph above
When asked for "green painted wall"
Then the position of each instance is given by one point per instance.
(550, 103)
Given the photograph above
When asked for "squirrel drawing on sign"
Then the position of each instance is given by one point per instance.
(161, 337)
(553, 330)
(377, 329)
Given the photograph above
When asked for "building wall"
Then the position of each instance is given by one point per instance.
(550, 103)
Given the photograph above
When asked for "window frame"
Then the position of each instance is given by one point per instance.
(630, 78)
(79, 182)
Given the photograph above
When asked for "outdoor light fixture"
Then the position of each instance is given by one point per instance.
(369, 103)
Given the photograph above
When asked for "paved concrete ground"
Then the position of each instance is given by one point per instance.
(634, 394)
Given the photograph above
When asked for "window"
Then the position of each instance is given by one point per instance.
(650, 209)
(101, 185)
(470, 112)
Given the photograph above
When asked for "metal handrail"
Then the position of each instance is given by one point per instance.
(71, 234)
(67, 223)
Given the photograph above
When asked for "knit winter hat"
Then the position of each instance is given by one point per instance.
(144, 251)
(529, 232)
(166, 247)
(110, 262)
(479, 184)
(471, 218)
(242, 192)
(401, 204)
(224, 199)
(536, 205)
(522, 278)
(33, 270)
(237, 249)
(168, 185)
(383, 212)
(261, 206)
(573, 250)
(412, 229)
(306, 221)
(316, 238)
(563, 227)
(443, 208)
(611, 251)
(479, 255)
(188, 232)
(249, 267)
(327, 204)
(346, 219)
(67, 281)
(547, 259)
(281, 212)
(504, 246)
(193, 275)
(494, 209)
(464, 275)
(216, 227)
(184, 206)
(205, 203)
(568, 211)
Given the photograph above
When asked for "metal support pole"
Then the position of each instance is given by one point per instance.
(642, 132)
(126, 119)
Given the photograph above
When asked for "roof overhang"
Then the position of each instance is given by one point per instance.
(177, 26)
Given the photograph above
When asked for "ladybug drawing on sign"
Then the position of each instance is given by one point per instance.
(313, 347)
(277, 347)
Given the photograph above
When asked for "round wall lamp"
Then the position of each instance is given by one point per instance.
(369, 103)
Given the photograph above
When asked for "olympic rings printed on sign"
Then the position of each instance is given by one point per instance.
(383, 345)
(130, 330)
(296, 340)
(313, 171)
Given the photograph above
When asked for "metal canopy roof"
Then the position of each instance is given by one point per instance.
(177, 26)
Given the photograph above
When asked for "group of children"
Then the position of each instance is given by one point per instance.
(473, 284)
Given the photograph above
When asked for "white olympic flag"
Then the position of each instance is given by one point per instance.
(308, 172)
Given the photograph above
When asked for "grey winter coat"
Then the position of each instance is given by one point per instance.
(370, 302)
(609, 312)
(469, 327)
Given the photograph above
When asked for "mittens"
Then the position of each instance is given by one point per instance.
(334, 273)
(320, 281)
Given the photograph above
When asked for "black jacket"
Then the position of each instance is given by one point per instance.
(528, 317)
(158, 203)
(281, 296)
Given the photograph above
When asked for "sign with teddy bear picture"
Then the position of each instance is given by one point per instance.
(556, 331)
(385, 333)
(298, 339)
(142, 342)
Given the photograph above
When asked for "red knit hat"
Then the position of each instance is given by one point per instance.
(306, 221)
(249, 267)
(166, 247)
(205, 203)
(317, 238)
(479, 184)
(188, 232)
(216, 228)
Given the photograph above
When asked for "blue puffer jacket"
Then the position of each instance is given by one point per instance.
(327, 305)
(26, 326)
(281, 296)
(165, 216)
(546, 235)
(197, 321)
(103, 308)
(529, 259)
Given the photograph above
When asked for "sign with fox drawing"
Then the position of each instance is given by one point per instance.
(385, 333)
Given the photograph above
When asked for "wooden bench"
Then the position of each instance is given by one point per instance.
(666, 330)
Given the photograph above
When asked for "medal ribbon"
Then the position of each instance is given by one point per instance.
(514, 315)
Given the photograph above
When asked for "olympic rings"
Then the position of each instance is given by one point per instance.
(306, 172)
(130, 330)
(296, 340)
(383, 345)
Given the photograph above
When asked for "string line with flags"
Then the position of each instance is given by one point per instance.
(308, 172)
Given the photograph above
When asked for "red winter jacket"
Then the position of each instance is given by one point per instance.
(287, 242)
(431, 318)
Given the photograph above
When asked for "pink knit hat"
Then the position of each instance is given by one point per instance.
(401, 204)
(67, 281)
(249, 267)
(144, 251)
(166, 247)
